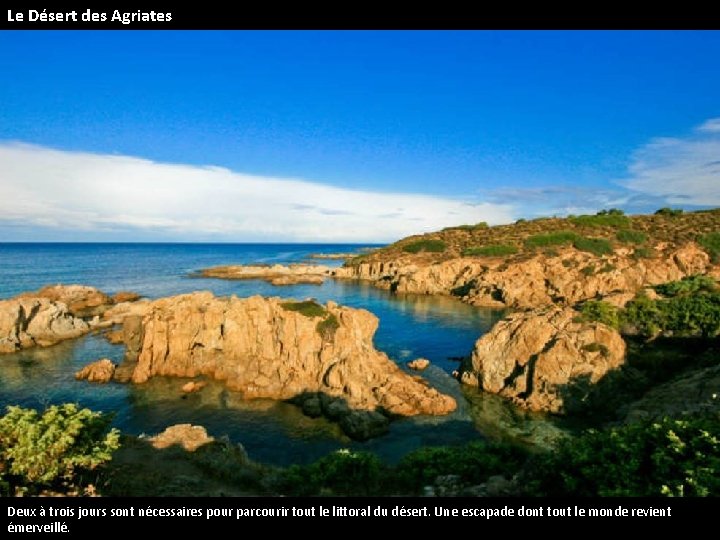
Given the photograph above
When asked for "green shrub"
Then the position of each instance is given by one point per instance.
(668, 457)
(596, 246)
(494, 250)
(556, 238)
(607, 267)
(601, 220)
(588, 270)
(39, 449)
(430, 246)
(309, 308)
(474, 463)
(343, 472)
(628, 236)
(711, 243)
(328, 326)
(692, 315)
(687, 285)
(643, 253)
(667, 211)
(599, 311)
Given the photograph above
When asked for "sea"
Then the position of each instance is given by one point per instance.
(441, 329)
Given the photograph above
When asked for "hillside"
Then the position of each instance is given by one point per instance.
(646, 235)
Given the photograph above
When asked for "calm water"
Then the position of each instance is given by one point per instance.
(440, 329)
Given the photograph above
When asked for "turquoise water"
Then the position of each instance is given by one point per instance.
(440, 329)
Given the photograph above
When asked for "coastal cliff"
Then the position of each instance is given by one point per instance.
(546, 261)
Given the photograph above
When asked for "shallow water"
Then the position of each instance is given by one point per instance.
(437, 328)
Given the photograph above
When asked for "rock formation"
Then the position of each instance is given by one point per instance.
(81, 300)
(101, 372)
(52, 314)
(36, 322)
(538, 280)
(276, 274)
(270, 348)
(540, 358)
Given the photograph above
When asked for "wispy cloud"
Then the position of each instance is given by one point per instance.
(51, 190)
(683, 170)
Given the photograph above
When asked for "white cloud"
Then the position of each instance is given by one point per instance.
(51, 189)
(684, 171)
(712, 125)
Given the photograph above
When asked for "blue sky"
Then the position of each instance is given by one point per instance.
(347, 136)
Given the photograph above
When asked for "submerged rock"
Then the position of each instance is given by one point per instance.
(277, 349)
(540, 358)
(101, 371)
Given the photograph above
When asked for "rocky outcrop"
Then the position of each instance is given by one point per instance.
(540, 359)
(186, 435)
(697, 392)
(270, 348)
(539, 280)
(27, 322)
(276, 274)
(101, 372)
(81, 300)
(55, 313)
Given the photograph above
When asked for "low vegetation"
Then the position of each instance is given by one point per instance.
(628, 236)
(430, 246)
(596, 234)
(346, 472)
(612, 218)
(711, 243)
(671, 457)
(557, 238)
(309, 308)
(494, 250)
(327, 327)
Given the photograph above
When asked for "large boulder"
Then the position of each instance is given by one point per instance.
(540, 358)
(271, 348)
